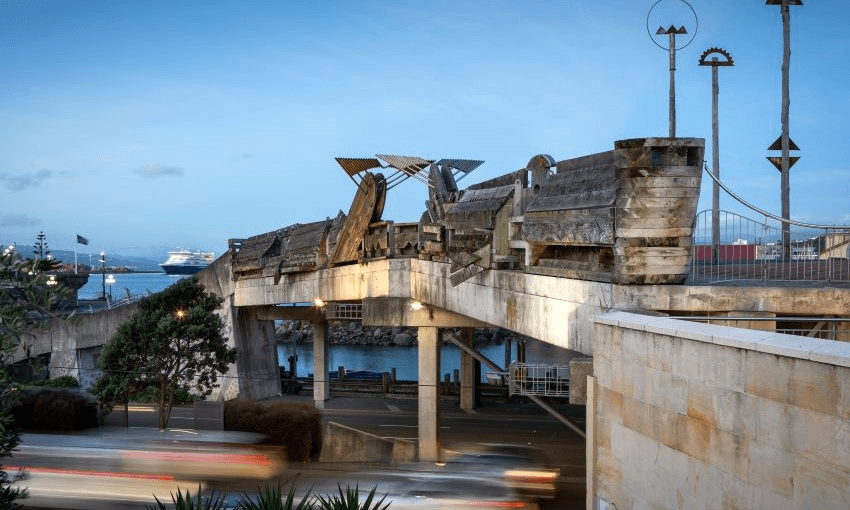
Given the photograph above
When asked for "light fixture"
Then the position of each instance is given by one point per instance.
(319, 303)
(416, 305)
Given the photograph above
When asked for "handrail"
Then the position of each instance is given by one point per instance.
(767, 214)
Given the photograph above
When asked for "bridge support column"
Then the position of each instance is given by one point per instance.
(321, 386)
(429, 394)
(468, 377)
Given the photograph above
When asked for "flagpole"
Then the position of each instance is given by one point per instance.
(75, 253)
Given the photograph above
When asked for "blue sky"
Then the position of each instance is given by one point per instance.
(152, 125)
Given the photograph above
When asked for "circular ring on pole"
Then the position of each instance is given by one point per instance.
(696, 27)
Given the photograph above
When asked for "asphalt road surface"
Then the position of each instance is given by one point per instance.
(62, 480)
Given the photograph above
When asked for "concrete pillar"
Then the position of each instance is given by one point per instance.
(467, 374)
(429, 394)
(590, 444)
(321, 386)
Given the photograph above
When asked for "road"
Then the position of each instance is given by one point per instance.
(63, 482)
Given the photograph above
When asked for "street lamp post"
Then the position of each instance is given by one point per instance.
(103, 272)
(110, 280)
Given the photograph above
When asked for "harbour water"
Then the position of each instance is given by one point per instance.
(374, 358)
(136, 284)
(352, 357)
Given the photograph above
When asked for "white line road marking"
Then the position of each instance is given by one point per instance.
(406, 426)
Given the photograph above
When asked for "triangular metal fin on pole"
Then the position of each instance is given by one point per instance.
(777, 161)
(777, 145)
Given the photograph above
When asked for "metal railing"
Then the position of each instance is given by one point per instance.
(750, 251)
(344, 311)
(539, 379)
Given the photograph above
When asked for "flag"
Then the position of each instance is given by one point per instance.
(82, 240)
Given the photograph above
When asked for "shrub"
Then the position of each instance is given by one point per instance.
(54, 409)
(63, 381)
(296, 427)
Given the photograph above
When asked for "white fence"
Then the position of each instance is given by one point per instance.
(539, 379)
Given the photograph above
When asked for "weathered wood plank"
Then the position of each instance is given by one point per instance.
(671, 269)
(624, 242)
(650, 260)
(660, 182)
(671, 222)
(359, 217)
(651, 251)
(568, 232)
(599, 214)
(680, 193)
(403, 239)
(639, 202)
(686, 211)
(666, 171)
(433, 247)
(601, 160)
(436, 230)
(577, 200)
(653, 232)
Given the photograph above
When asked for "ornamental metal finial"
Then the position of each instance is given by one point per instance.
(672, 32)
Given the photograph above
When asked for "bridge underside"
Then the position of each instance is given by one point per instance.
(549, 309)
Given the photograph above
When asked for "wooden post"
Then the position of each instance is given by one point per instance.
(786, 101)
(673, 84)
(715, 122)
(715, 167)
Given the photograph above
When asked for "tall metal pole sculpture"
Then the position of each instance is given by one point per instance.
(671, 32)
(715, 62)
(784, 143)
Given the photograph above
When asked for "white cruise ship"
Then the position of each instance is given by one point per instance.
(185, 262)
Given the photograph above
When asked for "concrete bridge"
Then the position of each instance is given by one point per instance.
(680, 414)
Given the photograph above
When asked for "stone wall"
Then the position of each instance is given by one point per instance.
(686, 415)
(354, 333)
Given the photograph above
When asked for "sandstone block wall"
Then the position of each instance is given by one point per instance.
(688, 415)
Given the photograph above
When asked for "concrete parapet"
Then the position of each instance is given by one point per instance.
(345, 444)
(690, 415)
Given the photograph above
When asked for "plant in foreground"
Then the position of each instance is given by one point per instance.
(212, 502)
(272, 499)
(350, 500)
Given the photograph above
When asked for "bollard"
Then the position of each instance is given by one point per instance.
(340, 373)
(392, 375)
(385, 380)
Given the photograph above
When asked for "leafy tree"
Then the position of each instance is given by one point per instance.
(173, 342)
(26, 301)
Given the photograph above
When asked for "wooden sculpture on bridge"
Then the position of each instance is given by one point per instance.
(624, 216)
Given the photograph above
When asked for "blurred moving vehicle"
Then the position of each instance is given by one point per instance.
(440, 491)
(187, 455)
(524, 468)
